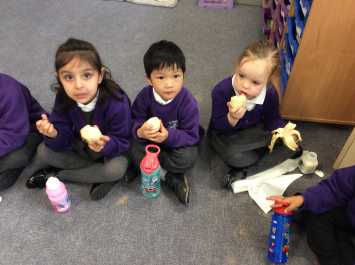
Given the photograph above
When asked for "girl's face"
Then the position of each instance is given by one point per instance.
(252, 76)
(167, 82)
(80, 80)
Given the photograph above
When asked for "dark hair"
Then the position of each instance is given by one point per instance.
(87, 52)
(163, 54)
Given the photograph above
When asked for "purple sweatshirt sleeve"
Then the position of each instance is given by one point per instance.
(219, 108)
(139, 112)
(14, 120)
(187, 133)
(62, 123)
(119, 129)
(336, 191)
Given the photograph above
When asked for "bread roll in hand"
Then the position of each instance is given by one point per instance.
(154, 123)
(90, 133)
(238, 101)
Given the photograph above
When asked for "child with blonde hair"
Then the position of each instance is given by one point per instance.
(245, 109)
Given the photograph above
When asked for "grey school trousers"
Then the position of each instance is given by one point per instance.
(75, 168)
(17, 159)
(241, 149)
(177, 160)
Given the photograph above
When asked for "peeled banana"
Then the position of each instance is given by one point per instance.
(289, 135)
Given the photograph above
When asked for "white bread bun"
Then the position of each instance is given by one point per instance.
(90, 133)
(238, 101)
(154, 123)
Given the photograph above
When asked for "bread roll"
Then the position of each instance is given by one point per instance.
(238, 101)
(154, 122)
(90, 133)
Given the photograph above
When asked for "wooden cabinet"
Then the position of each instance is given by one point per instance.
(346, 158)
(321, 85)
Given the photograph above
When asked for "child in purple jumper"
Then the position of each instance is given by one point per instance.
(166, 98)
(19, 137)
(240, 136)
(329, 213)
(86, 95)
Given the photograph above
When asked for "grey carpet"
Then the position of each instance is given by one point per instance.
(125, 228)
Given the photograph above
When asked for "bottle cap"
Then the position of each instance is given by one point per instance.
(52, 183)
(281, 210)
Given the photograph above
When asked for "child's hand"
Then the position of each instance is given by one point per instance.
(291, 202)
(45, 127)
(161, 135)
(234, 115)
(98, 145)
(146, 131)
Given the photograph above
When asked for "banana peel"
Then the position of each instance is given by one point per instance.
(289, 135)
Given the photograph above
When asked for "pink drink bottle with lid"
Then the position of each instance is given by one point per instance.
(57, 195)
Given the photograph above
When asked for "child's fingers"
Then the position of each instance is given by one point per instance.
(105, 138)
(276, 198)
(278, 201)
(102, 141)
(47, 126)
(51, 128)
(39, 124)
(44, 116)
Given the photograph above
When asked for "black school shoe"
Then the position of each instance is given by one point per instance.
(178, 183)
(297, 153)
(39, 179)
(233, 175)
(99, 190)
(9, 177)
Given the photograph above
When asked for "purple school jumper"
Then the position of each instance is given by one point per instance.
(180, 117)
(336, 191)
(268, 113)
(19, 112)
(113, 117)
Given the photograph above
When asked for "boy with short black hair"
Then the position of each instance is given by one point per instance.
(167, 99)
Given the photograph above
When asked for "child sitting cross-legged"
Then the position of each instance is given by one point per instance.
(178, 130)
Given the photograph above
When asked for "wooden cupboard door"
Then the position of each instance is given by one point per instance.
(321, 86)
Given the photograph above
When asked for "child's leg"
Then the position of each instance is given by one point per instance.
(110, 170)
(103, 175)
(137, 153)
(21, 156)
(329, 237)
(177, 162)
(46, 157)
(241, 149)
(12, 164)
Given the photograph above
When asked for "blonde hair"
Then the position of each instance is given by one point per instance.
(261, 50)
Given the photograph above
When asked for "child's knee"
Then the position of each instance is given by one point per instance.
(43, 152)
(115, 168)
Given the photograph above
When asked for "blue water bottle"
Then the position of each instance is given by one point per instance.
(150, 172)
(279, 236)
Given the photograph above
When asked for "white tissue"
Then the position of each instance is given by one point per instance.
(278, 170)
(260, 190)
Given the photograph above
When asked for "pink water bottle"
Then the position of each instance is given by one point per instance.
(58, 195)
(150, 172)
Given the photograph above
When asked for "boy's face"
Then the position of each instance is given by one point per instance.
(80, 80)
(167, 81)
(251, 77)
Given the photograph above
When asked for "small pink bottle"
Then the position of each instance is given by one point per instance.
(57, 195)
